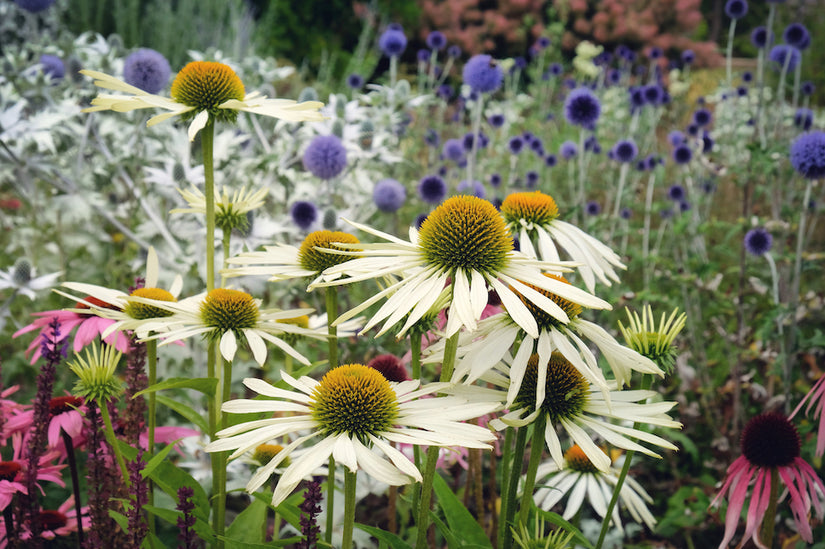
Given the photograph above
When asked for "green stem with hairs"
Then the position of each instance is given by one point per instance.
(536, 448)
(647, 380)
(769, 520)
(109, 432)
(152, 362)
(423, 522)
(508, 504)
(349, 508)
(332, 351)
(415, 365)
(506, 463)
(227, 236)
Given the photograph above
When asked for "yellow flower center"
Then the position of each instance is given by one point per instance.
(265, 452)
(354, 399)
(544, 320)
(226, 310)
(566, 390)
(206, 85)
(142, 311)
(577, 460)
(466, 232)
(535, 207)
(316, 260)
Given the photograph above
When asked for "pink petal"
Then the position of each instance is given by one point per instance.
(798, 507)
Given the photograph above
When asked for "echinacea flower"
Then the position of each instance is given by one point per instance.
(464, 240)
(577, 406)
(815, 398)
(230, 210)
(653, 341)
(227, 316)
(355, 415)
(201, 90)
(579, 480)
(534, 217)
(770, 449)
(13, 473)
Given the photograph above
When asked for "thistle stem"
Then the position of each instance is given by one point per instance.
(67, 442)
(536, 448)
(349, 507)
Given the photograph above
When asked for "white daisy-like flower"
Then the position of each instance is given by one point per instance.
(201, 89)
(579, 480)
(283, 261)
(128, 313)
(534, 216)
(480, 351)
(577, 406)
(227, 316)
(465, 241)
(230, 210)
(22, 279)
(354, 414)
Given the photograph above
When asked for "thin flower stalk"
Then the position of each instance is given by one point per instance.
(332, 315)
(508, 504)
(536, 448)
(70, 457)
(349, 507)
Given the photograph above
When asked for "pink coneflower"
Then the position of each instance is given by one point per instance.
(12, 473)
(770, 450)
(89, 326)
(816, 397)
(61, 521)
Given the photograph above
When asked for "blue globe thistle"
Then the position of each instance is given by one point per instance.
(515, 144)
(684, 206)
(325, 157)
(707, 142)
(593, 208)
(355, 81)
(392, 42)
(431, 138)
(782, 54)
(482, 74)
(682, 154)
(432, 189)
(675, 138)
(758, 241)
(759, 37)
(436, 40)
(444, 91)
(543, 42)
(469, 138)
(303, 214)
(476, 188)
(419, 220)
(454, 52)
(555, 69)
(625, 150)
(582, 107)
(637, 98)
(655, 52)
(688, 57)
(591, 144)
(423, 55)
(676, 192)
(442, 171)
(747, 77)
(453, 149)
(496, 120)
(692, 130)
(742, 91)
(702, 117)
(389, 195)
(568, 150)
(614, 77)
(797, 35)
(550, 160)
(146, 69)
(537, 146)
(53, 66)
(807, 88)
(626, 213)
(520, 63)
(808, 155)
(736, 9)
(653, 161)
(531, 179)
(34, 6)
(495, 180)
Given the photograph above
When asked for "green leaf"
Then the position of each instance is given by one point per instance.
(202, 528)
(188, 413)
(205, 385)
(449, 536)
(158, 458)
(287, 510)
(235, 544)
(387, 537)
(461, 522)
(247, 526)
(170, 478)
(557, 520)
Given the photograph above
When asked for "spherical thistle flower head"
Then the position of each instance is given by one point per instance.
(483, 74)
(146, 69)
(423, 56)
(682, 154)
(626, 213)
(389, 195)
(454, 52)
(783, 55)
(758, 241)
(702, 117)
(688, 56)
(593, 208)
(495, 180)
(807, 88)
(436, 40)
(770, 445)
(303, 214)
(392, 42)
(655, 52)
(325, 157)
(797, 35)
(515, 144)
(747, 77)
(582, 107)
(653, 94)
(390, 367)
(625, 150)
(759, 37)
(95, 370)
(675, 138)
(53, 66)
(803, 118)
(676, 192)
(736, 9)
(531, 179)
(432, 189)
(474, 188)
(496, 120)
(34, 6)
(355, 81)
(355, 414)
(568, 150)
(808, 155)
(550, 160)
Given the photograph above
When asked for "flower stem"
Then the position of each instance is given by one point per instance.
(508, 505)
(506, 464)
(349, 507)
(769, 520)
(423, 522)
(332, 351)
(67, 442)
(207, 141)
(536, 448)
(112, 440)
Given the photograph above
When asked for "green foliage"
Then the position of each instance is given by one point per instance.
(462, 529)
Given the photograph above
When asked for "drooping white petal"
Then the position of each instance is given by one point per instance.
(256, 345)
(198, 123)
(229, 345)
